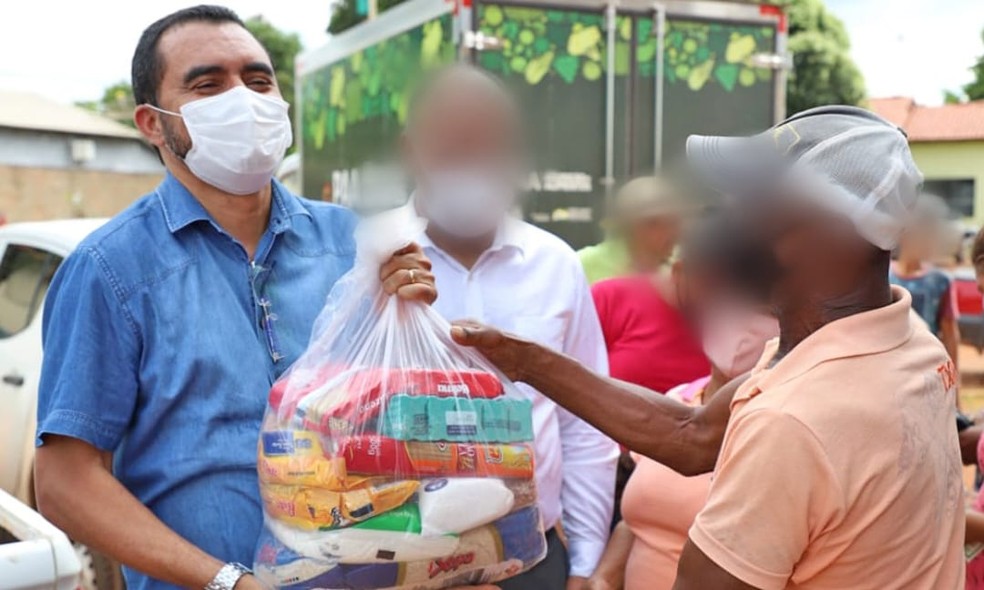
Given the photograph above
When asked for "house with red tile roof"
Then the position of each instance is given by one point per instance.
(948, 145)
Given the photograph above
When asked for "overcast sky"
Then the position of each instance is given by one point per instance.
(71, 50)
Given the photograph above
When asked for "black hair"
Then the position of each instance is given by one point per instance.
(147, 67)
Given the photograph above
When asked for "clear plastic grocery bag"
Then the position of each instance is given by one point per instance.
(390, 457)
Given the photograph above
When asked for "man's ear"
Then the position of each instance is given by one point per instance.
(148, 122)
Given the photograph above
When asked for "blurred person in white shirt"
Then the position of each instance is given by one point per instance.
(462, 146)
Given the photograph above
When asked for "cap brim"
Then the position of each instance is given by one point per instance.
(733, 165)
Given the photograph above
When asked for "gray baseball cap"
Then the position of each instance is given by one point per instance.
(845, 159)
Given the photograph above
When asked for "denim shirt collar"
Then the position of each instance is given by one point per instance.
(181, 208)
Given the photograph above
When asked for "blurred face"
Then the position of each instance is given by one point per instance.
(733, 329)
(201, 60)
(788, 249)
(655, 236)
(463, 151)
(922, 242)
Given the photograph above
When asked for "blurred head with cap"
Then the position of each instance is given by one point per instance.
(821, 199)
(647, 213)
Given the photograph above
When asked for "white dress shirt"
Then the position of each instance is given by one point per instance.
(531, 283)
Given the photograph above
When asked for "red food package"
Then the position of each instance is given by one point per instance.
(372, 454)
(364, 392)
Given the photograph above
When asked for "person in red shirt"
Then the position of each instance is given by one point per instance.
(650, 340)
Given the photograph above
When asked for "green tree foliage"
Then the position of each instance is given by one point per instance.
(116, 103)
(346, 16)
(823, 71)
(975, 89)
(282, 47)
(117, 100)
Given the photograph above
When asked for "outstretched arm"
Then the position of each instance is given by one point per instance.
(682, 438)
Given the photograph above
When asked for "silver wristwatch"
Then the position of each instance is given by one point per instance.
(228, 576)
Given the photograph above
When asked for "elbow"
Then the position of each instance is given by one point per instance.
(45, 491)
(50, 488)
(702, 449)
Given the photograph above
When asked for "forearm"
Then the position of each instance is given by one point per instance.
(683, 438)
(611, 569)
(91, 506)
(975, 527)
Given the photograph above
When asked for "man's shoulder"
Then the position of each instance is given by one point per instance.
(330, 227)
(139, 224)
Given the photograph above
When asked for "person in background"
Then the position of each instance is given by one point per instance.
(660, 505)
(972, 447)
(649, 339)
(165, 329)
(933, 296)
(461, 146)
(643, 224)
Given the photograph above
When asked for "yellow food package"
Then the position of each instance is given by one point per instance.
(296, 458)
(318, 508)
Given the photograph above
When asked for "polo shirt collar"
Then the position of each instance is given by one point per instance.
(862, 334)
(181, 208)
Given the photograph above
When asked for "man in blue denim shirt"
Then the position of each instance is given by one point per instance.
(165, 329)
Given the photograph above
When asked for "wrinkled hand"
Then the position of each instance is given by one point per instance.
(578, 583)
(510, 354)
(408, 275)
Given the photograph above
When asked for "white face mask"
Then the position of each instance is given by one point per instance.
(238, 138)
(467, 203)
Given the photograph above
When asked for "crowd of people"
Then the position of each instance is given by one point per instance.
(784, 420)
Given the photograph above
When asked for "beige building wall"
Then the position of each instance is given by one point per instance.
(34, 194)
(954, 160)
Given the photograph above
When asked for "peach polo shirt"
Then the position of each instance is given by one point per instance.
(840, 467)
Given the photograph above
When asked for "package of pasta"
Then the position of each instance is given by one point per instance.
(389, 456)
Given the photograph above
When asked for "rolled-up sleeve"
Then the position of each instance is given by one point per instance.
(89, 382)
(590, 457)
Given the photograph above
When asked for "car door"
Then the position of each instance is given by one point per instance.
(25, 274)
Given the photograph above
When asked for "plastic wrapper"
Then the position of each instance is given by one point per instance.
(390, 457)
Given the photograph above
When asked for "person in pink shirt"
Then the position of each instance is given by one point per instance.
(659, 505)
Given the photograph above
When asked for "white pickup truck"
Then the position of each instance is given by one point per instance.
(30, 253)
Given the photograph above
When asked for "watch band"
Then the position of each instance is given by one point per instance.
(228, 576)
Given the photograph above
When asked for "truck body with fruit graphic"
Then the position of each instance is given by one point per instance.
(609, 90)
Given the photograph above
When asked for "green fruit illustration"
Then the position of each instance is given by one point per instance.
(518, 64)
(430, 46)
(625, 28)
(746, 77)
(727, 76)
(526, 37)
(591, 70)
(739, 49)
(492, 15)
(690, 46)
(337, 89)
(584, 40)
(538, 68)
(682, 71)
(622, 59)
(700, 75)
(566, 67)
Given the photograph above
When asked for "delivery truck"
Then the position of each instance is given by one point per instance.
(608, 90)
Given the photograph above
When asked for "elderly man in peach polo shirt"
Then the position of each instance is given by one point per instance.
(836, 462)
